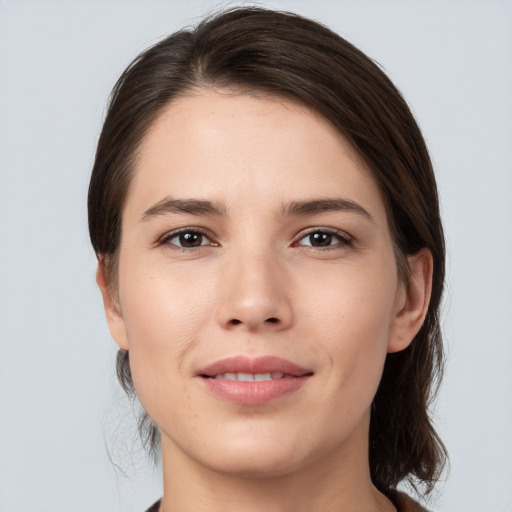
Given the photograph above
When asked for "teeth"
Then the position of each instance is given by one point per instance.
(262, 376)
(249, 377)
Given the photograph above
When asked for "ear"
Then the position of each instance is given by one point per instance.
(412, 302)
(113, 312)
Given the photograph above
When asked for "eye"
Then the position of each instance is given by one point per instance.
(324, 238)
(187, 239)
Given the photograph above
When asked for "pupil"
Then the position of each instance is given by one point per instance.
(320, 239)
(191, 239)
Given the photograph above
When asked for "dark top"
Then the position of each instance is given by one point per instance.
(154, 507)
(401, 501)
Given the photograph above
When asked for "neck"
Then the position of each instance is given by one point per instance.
(338, 481)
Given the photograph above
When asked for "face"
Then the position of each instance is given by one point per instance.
(257, 286)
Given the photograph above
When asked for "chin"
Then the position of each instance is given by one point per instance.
(250, 456)
(261, 467)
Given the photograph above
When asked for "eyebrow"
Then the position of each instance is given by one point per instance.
(292, 208)
(190, 206)
(311, 207)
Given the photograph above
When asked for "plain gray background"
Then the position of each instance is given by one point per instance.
(61, 410)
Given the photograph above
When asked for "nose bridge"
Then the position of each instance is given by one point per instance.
(254, 292)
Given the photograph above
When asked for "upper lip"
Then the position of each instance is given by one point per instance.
(244, 364)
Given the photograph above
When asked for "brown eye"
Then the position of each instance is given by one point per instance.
(320, 239)
(324, 238)
(188, 239)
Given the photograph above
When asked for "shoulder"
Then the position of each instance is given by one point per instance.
(155, 507)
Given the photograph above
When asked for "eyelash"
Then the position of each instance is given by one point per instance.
(166, 239)
(344, 240)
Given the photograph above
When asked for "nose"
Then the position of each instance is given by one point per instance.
(255, 295)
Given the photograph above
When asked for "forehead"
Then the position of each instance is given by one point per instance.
(230, 146)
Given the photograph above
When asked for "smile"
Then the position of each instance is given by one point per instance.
(253, 381)
(250, 377)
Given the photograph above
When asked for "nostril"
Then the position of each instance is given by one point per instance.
(272, 320)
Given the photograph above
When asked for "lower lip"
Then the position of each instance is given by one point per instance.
(254, 392)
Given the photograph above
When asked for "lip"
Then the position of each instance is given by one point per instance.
(264, 364)
(253, 392)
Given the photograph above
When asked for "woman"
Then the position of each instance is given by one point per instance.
(271, 260)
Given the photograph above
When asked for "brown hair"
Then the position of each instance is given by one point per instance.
(263, 51)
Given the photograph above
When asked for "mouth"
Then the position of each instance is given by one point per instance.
(250, 377)
(243, 368)
(253, 381)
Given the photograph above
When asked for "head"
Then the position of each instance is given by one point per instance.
(265, 60)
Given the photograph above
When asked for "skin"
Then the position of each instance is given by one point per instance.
(336, 309)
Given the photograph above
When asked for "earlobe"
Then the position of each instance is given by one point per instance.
(413, 301)
(113, 312)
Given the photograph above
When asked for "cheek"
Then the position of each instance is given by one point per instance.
(356, 300)
(349, 314)
(163, 312)
(162, 303)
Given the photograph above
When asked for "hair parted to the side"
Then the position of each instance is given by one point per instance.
(261, 51)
